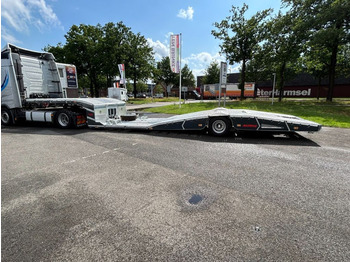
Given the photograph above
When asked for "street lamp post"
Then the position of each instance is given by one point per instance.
(273, 87)
(180, 47)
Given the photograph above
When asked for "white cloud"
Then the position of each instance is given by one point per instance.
(199, 62)
(16, 14)
(198, 72)
(167, 37)
(8, 37)
(186, 14)
(235, 68)
(20, 15)
(160, 49)
(203, 58)
(45, 11)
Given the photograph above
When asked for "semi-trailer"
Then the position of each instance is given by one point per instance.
(31, 91)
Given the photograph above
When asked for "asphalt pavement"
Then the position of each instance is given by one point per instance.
(100, 195)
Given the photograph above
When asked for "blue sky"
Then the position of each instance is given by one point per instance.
(34, 24)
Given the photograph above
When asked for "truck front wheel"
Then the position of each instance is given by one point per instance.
(6, 117)
(64, 119)
(219, 126)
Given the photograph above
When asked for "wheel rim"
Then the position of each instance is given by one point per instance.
(5, 117)
(63, 119)
(219, 126)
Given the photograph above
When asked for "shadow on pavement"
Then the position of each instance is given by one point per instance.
(293, 139)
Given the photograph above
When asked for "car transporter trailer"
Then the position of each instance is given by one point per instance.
(31, 91)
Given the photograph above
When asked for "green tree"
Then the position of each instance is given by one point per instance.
(258, 68)
(113, 49)
(314, 61)
(212, 74)
(163, 75)
(139, 61)
(344, 60)
(283, 46)
(141, 87)
(328, 24)
(316, 58)
(96, 51)
(187, 77)
(158, 89)
(129, 86)
(83, 49)
(240, 37)
(58, 51)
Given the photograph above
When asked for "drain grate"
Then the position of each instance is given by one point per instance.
(195, 199)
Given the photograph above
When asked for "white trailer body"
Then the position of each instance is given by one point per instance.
(219, 121)
(118, 93)
(97, 111)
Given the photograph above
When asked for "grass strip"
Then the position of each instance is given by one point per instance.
(335, 114)
(141, 101)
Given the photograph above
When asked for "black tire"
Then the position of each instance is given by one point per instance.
(64, 119)
(219, 126)
(6, 117)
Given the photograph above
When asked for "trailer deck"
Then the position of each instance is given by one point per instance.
(219, 121)
(111, 113)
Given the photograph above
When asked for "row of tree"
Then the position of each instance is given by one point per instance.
(311, 36)
(96, 51)
(166, 78)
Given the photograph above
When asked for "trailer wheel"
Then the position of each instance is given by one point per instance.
(6, 117)
(219, 126)
(64, 119)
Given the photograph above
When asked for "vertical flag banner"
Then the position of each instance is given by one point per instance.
(122, 73)
(175, 53)
(223, 73)
(71, 76)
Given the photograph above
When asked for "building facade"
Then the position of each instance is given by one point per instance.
(302, 85)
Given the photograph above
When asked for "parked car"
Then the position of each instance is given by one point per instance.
(141, 95)
(191, 95)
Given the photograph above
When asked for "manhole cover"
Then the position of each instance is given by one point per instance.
(195, 199)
